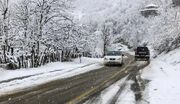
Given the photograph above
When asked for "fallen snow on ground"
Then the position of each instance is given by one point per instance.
(164, 75)
(163, 88)
(108, 94)
(126, 96)
(15, 80)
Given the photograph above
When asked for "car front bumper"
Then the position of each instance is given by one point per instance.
(113, 62)
(142, 57)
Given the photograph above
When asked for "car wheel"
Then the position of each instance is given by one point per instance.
(122, 64)
(135, 59)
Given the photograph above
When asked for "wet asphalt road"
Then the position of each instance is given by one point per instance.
(71, 90)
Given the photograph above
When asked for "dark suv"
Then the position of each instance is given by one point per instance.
(142, 54)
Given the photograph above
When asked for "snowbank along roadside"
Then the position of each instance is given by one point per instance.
(13, 81)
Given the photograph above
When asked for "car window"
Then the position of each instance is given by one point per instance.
(114, 53)
(142, 49)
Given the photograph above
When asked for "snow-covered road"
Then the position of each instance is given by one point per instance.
(163, 87)
(120, 92)
(120, 88)
(73, 89)
(16, 80)
(163, 74)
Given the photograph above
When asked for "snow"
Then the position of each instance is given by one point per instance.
(163, 88)
(164, 75)
(16, 80)
(118, 46)
(127, 95)
(151, 5)
(163, 72)
(130, 25)
(107, 95)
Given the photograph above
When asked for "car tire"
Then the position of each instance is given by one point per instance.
(122, 64)
(135, 59)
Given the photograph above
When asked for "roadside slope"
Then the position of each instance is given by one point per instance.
(164, 75)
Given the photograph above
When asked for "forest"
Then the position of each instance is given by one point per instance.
(36, 32)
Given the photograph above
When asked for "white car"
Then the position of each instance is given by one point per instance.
(113, 58)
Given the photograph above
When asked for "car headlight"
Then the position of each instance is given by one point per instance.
(105, 58)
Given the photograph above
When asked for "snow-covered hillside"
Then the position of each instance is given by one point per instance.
(160, 32)
(163, 74)
(100, 10)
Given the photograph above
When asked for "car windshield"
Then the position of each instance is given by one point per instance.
(142, 49)
(114, 53)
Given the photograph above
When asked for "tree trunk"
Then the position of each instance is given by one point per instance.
(4, 53)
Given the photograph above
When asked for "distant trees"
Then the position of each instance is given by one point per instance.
(42, 21)
(43, 31)
(4, 27)
(106, 30)
(4, 9)
(22, 24)
(176, 2)
(40, 31)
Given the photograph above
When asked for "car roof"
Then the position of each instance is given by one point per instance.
(113, 51)
(142, 47)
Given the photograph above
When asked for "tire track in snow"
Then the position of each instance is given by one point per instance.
(115, 98)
